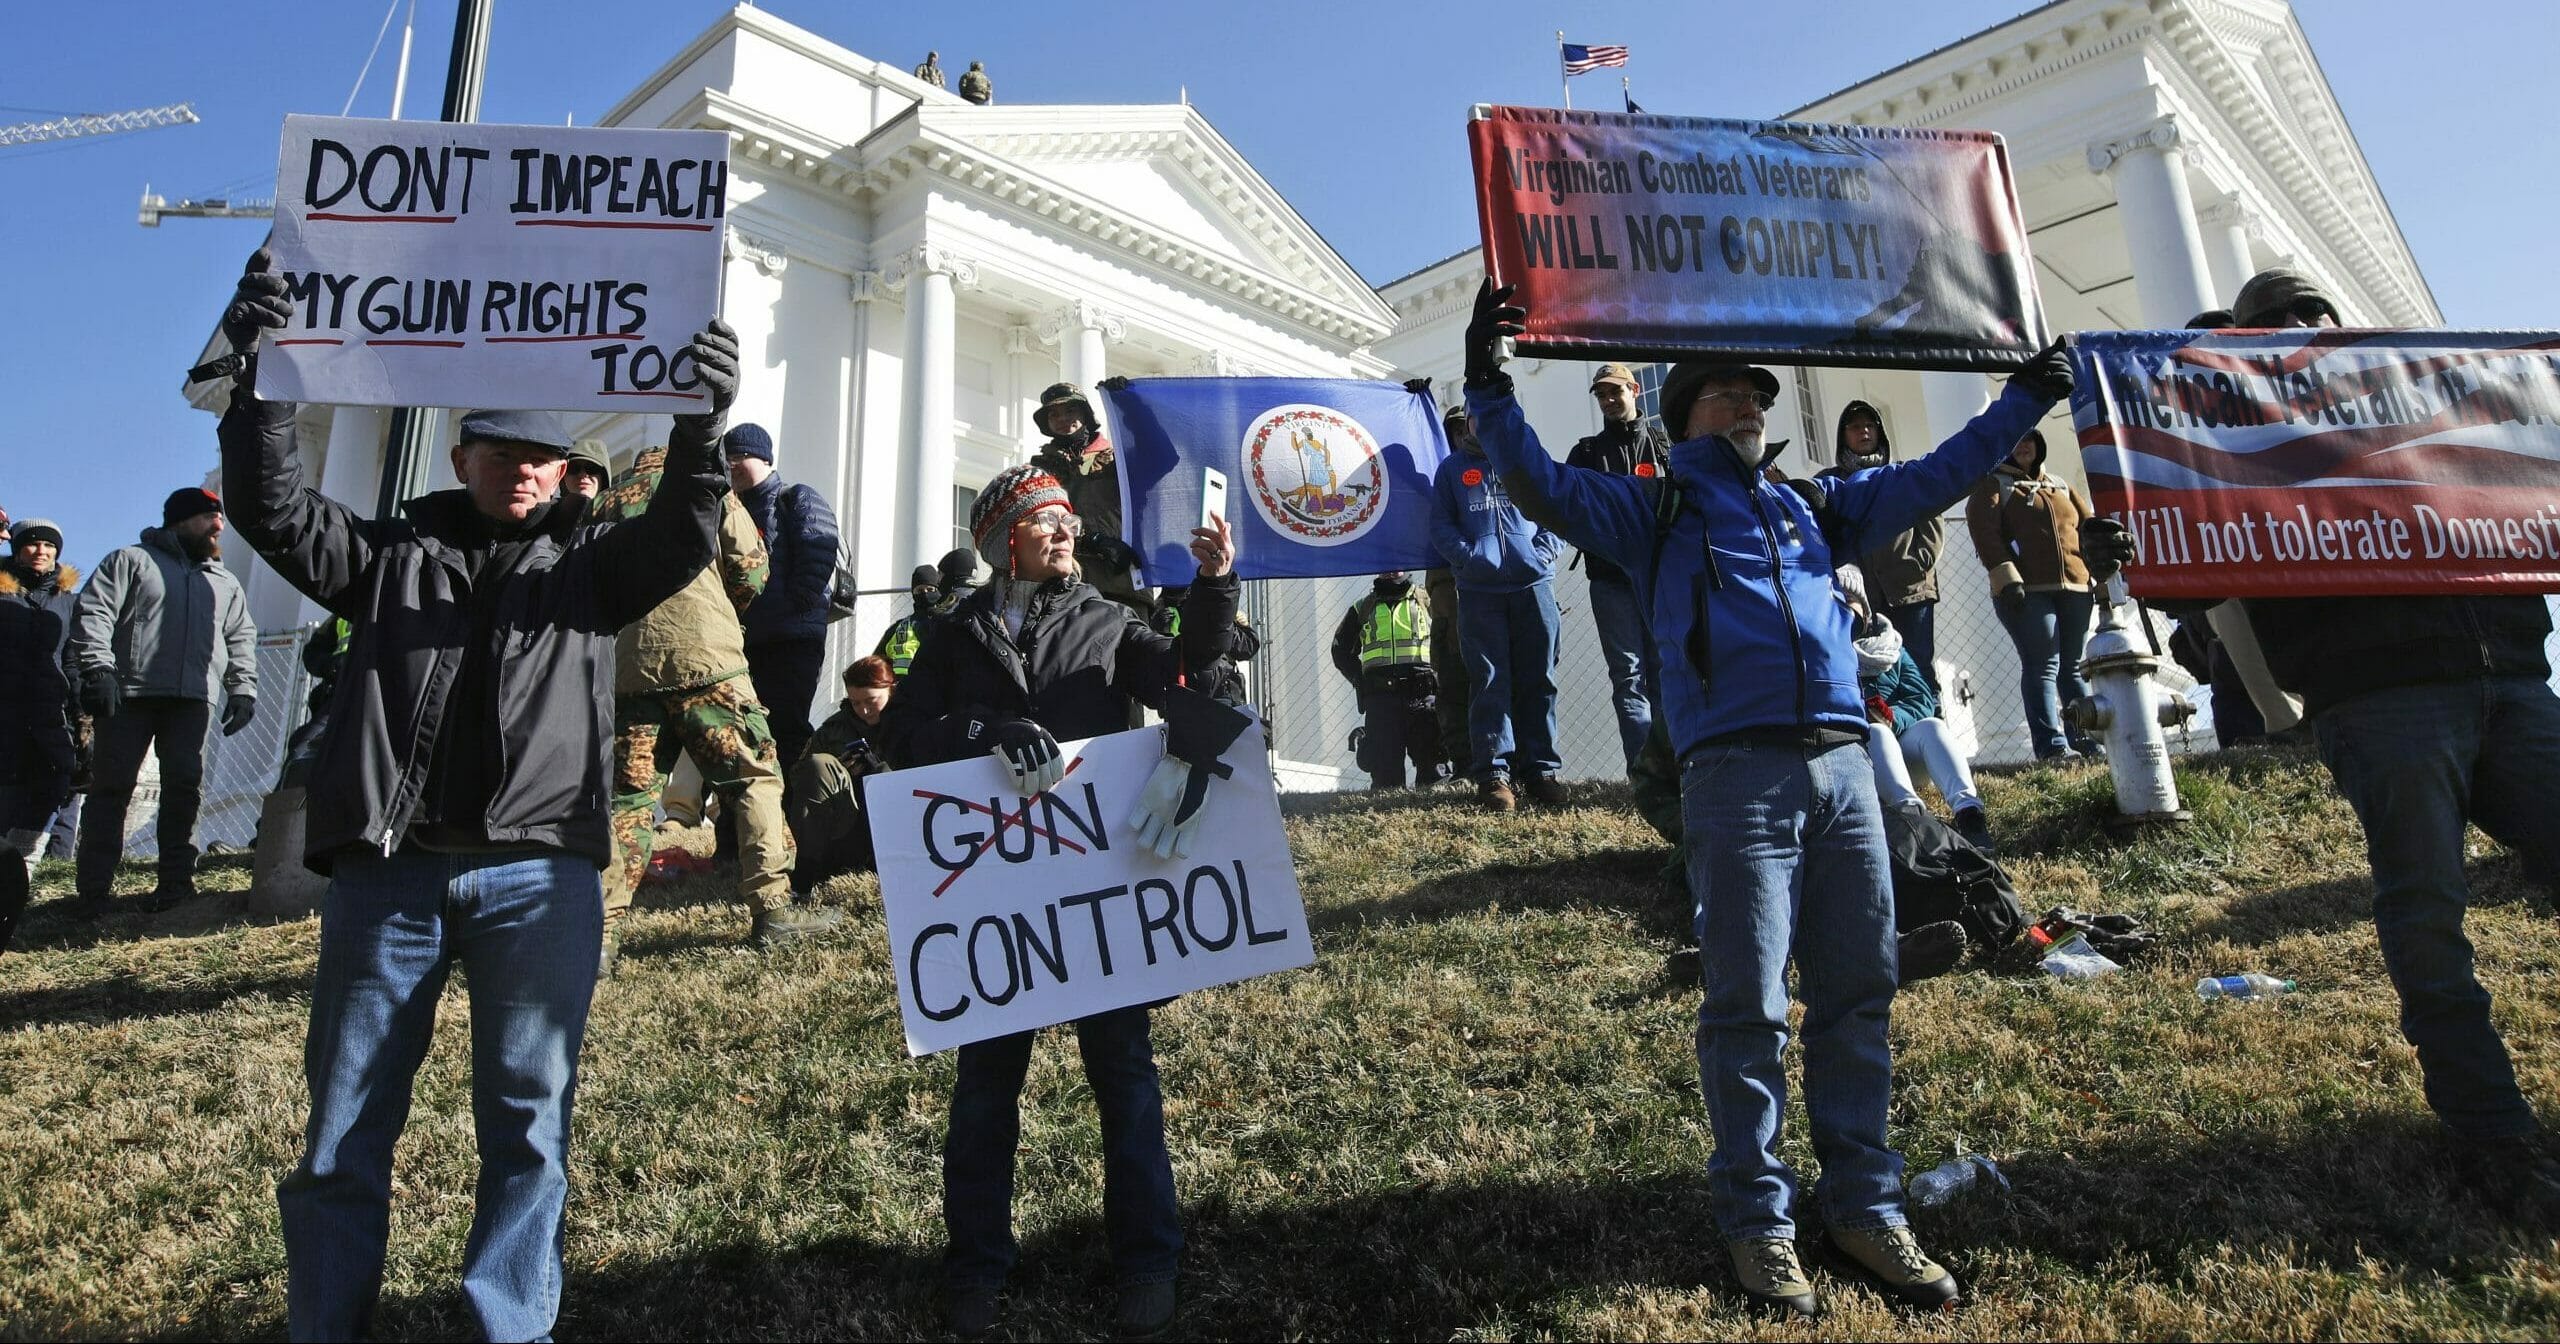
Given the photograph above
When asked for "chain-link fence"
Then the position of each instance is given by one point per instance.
(240, 769)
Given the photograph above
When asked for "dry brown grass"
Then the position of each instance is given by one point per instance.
(1475, 1118)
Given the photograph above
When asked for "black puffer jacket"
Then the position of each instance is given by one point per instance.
(1080, 660)
(1626, 448)
(35, 693)
(407, 590)
(2328, 649)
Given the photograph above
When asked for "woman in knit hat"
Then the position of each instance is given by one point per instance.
(1035, 656)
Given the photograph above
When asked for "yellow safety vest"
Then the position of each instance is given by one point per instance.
(899, 647)
(1397, 634)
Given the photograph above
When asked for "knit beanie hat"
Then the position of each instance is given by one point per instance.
(1015, 494)
(748, 440)
(959, 568)
(34, 530)
(184, 504)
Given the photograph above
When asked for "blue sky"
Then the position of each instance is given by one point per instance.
(1353, 111)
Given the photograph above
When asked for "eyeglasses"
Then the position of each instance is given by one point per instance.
(1054, 525)
(1760, 399)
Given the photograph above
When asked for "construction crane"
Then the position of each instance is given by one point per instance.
(154, 206)
(101, 123)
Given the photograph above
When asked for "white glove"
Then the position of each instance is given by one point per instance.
(1158, 818)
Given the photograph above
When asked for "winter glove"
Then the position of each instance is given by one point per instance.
(260, 304)
(715, 361)
(1495, 318)
(2010, 595)
(2046, 375)
(1197, 731)
(1418, 386)
(100, 695)
(1025, 750)
(236, 713)
(2105, 547)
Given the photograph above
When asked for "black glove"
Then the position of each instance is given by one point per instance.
(236, 713)
(1024, 749)
(1118, 382)
(100, 695)
(1495, 318)
(1197, 731)
(715, 360)
(1418, 386)
(260, 304)
(2047, 374)
(2107, 546)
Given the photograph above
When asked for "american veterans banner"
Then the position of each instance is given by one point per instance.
(1644, 237)
(2299, 463)
(504, 267)
(1325, 476)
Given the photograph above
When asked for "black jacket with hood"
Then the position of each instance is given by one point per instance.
(1079, 661)
(1903, 571)
(1631, 448)
(2328, 649)
(542, 616)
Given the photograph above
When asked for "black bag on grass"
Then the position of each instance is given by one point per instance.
(1938, 876)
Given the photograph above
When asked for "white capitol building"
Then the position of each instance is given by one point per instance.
(907, 271)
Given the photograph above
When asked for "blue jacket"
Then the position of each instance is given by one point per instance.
(1747, 632)
(1905, 692)
(800, 534)
(1490, 547)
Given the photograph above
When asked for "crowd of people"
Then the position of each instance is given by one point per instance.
(515, 667)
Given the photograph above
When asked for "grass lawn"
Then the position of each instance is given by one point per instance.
(1475, 1118)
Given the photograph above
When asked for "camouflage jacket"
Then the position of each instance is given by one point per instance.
(693, 638)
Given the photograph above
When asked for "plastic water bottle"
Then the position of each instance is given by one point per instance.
(1951, 1178)
(2250, 986)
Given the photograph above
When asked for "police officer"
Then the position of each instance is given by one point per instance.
(1383, 648)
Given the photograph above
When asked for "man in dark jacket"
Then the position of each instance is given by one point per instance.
(1902, 574)
(36, 595)
(1087, 467)
(1630, 443)
(160, 639)
(2431, 713)
(787, 623)
(1760, 687)
(1032, 658)
(1383, 648)
(458, 805)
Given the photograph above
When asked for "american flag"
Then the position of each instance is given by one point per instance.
(1584, 60)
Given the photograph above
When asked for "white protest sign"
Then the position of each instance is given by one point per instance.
(1007, 914)
(495, 267)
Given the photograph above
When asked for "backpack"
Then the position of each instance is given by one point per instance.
(1939, 875)
(841, 585)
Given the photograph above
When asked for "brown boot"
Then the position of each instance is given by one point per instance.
(1891, 1257)
(1773, 1277)
(1547, 791)
(1496, 794)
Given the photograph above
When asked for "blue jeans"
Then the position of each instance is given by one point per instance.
(2049, 630)
(2416, 762)
(1140, 1218)
(1509, 640)
(526, 929)
(1786, 855)
(1623, 641)
(1918, 626)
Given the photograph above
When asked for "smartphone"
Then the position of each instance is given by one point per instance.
(1213, 497)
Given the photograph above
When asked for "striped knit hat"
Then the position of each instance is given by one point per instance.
(1015, 494)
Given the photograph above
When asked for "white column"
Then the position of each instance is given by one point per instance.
(878, 467)
(2159, 219)
(2227, 255)
(932, 278)
(1081, 331)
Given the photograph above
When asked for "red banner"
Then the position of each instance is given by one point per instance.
(1644, 237)
(2302, 463)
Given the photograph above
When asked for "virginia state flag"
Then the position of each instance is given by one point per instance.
(1325, 476)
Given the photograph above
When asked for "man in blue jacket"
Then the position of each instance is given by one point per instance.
(787, 623)
(1760, 690)
(1507, 624)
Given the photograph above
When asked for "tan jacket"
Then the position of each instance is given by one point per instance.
(2026, 529)
(693, 638)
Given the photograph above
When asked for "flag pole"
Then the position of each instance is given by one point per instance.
(1626, 95)
(1562, 78)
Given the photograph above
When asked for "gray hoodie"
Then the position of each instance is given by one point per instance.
(167, 624)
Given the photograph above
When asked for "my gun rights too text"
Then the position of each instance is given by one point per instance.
(435, 184)
(1672, 243)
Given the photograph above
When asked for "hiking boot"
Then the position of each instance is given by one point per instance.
(971, 1310)
(1931, 950)
(1547, 791)
(1496, 794)
(2516, 1175)
(1144, 1311)
(1891, 1258)
(790, 923)
(1772, 1277)
(1976, 829)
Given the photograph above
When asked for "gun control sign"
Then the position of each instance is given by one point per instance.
(2325, 462)
(1645, 237)
(1008, 913)
(500, 267)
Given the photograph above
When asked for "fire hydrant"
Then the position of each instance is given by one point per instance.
(2130, 708)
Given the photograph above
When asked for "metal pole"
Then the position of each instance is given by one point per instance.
(1564, 79)
(400, 82)
(416, 430)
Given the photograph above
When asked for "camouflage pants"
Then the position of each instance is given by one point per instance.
(723, 728)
